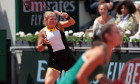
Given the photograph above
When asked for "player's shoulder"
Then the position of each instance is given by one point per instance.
(41, 32)
(98, 50)
(43, 29)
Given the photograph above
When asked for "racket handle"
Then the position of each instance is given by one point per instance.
(57, 12)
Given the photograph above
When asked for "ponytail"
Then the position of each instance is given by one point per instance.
(98, 37)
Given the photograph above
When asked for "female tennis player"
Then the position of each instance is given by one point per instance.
(94, 61)
(53, 36)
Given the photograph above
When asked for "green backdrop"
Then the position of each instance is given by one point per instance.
(31, 21)
(2, 55)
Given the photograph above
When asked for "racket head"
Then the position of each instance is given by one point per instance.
(129, 71)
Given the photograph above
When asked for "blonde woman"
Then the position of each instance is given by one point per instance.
(104, 18)
(53, 36)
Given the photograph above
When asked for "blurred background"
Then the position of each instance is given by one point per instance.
(20, 61)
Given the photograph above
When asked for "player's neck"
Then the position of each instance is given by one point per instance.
(49, 27)
(109, 52)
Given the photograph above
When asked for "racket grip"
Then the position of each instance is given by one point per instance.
(57, 12)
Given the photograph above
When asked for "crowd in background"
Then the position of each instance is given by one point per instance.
(118, 12)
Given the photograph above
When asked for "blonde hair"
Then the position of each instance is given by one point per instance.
(103, 4)
(46, 16)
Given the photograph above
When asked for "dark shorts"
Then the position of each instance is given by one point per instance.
(61, 60)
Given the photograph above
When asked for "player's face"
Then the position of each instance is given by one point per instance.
(52, 21)
(124, 10)
(103, 10)
(115, 37)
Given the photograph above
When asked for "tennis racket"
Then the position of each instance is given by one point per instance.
(130, 73)
(38, 6)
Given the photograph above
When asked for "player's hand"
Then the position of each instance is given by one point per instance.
(64, 15)
(45, 40)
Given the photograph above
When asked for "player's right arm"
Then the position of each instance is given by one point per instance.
(41, 39)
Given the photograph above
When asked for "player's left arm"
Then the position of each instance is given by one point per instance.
(69, 21)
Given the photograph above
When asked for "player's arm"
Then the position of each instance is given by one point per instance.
(41, 40)
(90, 65)
(103, 79)
(69, 21)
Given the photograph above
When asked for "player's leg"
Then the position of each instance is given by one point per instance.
(51, 76)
